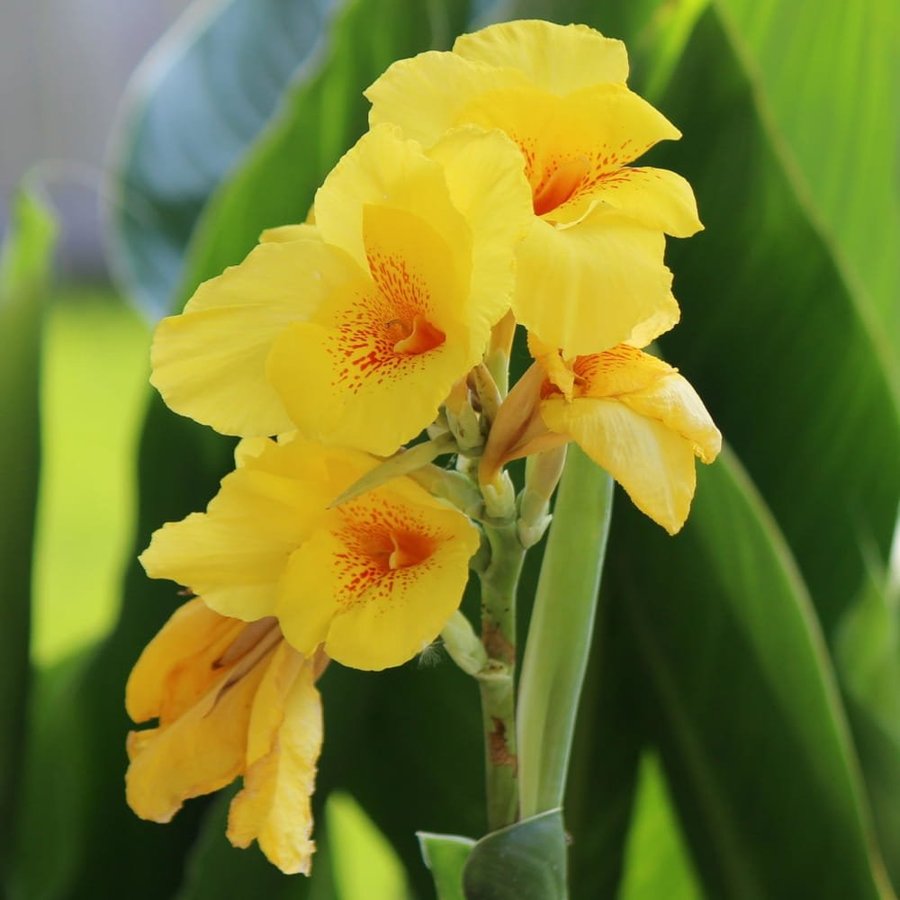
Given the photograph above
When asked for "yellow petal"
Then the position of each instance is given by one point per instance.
(618, 372)
(673, 401)
(387, 170)
(373, 367)
(558, 58)
(234, 554)
(588, 287)
(209, 362)
(285, 738)
(656, 198)
(284, 233)
(200, 752)
(384, 578)
(177, 667)
(486, 178)
(427, 95)
(654, 464)
(664, 319)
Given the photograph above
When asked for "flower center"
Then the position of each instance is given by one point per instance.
(558, 186)
(413, 338)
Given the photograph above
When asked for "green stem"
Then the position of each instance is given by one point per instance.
(496, 681)
(559, 636)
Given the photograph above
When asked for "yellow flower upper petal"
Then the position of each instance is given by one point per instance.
(285, 738)
(643, 422)
(372, 368)
(559, 94)
(378, 584)
(209, 363)
(606, 277)
(560, 58)
(426, 95)
(233, 554)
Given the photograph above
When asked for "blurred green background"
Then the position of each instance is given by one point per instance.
(740, 732)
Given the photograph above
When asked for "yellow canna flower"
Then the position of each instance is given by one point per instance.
(372, 581)
(632, 413)
(596, 238)
(392, 293)
(231, 699)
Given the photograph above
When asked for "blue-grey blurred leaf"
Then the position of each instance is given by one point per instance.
(193, 108)
(25, 266)
(446, 855)
(525, 861)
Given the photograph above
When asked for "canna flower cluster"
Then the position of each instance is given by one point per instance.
(494, 189)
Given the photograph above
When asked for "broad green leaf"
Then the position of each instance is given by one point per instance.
(867, 653)
(774, 337)
(739, 695)
(24, 274)
(193, 108)
(656, 862)
(364, 865)
(446, 855)
(826, 75)
(525, 861)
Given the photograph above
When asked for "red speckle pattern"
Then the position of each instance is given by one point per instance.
(375, 321)
(387, 548)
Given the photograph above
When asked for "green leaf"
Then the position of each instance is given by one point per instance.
(738, 692)
(525, 861)
(774, 337)
(193, 108)
(24, 273)
(364, 865)
(868, 660)
(824, 75)
(446, 855)
(656, 864)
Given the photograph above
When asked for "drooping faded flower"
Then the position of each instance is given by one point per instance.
(231, 699)
(632, 413)
(590, 270)
(372, 581)
(391, 294)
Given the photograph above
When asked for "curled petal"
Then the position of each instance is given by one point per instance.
(285, 738)
(653, 464)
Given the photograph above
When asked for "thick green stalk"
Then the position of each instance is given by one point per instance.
(559, 636)
(496, 681)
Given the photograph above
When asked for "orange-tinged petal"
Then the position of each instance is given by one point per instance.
(381, 581)
(618, 372)
(409, 335)
(209, 362)
(285, 738)
(653, 464)
(200, 752)
(234, 554)
(177, 667)
(606, 277)
(558, 58)
(656, 198)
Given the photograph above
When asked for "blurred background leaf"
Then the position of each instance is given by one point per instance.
(712, 650)
(25, 264)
